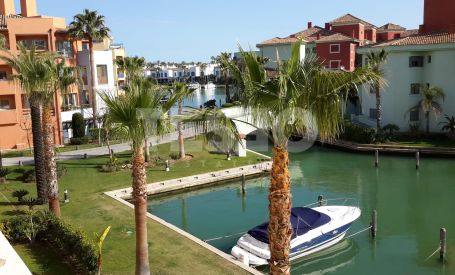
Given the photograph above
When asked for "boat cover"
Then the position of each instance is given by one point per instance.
(302, 219)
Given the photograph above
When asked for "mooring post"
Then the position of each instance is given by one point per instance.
(374, 223)
(376, 162)
(442, 243)
(243, 184)
(417, 160)
(320, 200)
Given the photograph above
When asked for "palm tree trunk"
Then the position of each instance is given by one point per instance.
(427, 116)
(140, 211)
(228, 93)
(180, 129)
(92, 83)
(38, 152)
(50, 164)
(378, 108)
(280, 229)
(147, 150)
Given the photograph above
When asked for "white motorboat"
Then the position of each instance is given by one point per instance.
(209, 86)
(314, 229)
(195, 86)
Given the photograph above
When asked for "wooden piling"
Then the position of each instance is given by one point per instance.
(417, 160)
(374, 223)
(320, 200)
(376, 162)
(243, 184)
(442, 243)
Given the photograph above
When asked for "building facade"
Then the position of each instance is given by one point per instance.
(46, 34)
(425, 58)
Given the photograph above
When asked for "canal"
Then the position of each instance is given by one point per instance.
(412, 206)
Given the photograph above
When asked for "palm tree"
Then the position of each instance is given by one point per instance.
(60, 79)
(90, 25)
(32, 73)
(185, 93)
(301, 96)
(225, 56)
(137, 114)
(449, 125)
(132, 66)
(203, 67)
(375, 61)
(429, 102)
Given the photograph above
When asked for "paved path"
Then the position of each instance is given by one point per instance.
(98, 151)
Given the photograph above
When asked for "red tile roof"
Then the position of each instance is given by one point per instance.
(336, 37)
(391, 27)
(351, 19)
(308, 35)
(419, 39)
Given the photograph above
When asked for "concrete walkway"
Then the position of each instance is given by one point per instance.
(98, 151)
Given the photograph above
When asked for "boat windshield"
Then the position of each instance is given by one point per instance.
(302, 220)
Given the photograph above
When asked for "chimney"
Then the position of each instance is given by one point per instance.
(7, 7)
(310, 25)
(28, 8)
(318, 36)
(328, 26)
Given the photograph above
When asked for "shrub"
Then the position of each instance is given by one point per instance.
(414, 129)
(27, 176)
(78, 125)
(391, 128)
(78, 141)
(210, 104)
(227, 105)
(47, 228)
(93, 133)
(174, 155)
(112, 165)
(61, 171)
(20, 194)
(4, 172)
(357, 133)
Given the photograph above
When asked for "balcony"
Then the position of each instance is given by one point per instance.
(8, 117)
(8, 87)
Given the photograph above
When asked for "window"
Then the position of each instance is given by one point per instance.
(334, 64)
(101, 72)
(334, 48)
(416, 61)
(415, 88)
(373, 113)
(84, 75)
(366, 62)
(85, 46)
(39, 44)
(3, 75)
(64, 48)
(4, 104)
(85, 98)
(414, 115)
(372, 88)
(193, 74)
(69, 100)
(429, 59)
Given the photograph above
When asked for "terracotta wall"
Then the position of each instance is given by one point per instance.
(439, 16)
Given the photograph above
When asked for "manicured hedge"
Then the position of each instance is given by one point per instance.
(78, 141)
(357, 133)
(47, 228)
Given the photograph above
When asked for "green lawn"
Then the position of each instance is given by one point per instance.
(90, 210)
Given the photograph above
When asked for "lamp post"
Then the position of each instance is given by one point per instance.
(65, 195)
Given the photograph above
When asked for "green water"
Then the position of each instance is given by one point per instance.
(412, 206)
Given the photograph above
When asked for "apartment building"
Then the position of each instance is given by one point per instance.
(46, 34)
(425, 58)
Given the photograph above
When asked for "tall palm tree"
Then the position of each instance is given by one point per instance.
(132, 66)
(60, 79)
(225, 71)
(32, 73)
(91, 26)
(375, 61)
(301, 97)
(429, 102)
(184, 93)
(137, 114)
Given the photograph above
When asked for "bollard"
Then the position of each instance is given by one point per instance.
(167, 166)
(65, 195)
(21, 163)
(243, 184)
(442, 243)
(320, 200)
(374, 223)
(417, 160)
(228, 156)
(376, 162)
(85, 156)
(77, 147)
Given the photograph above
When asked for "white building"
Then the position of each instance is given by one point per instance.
(414, 61)
(170, 73)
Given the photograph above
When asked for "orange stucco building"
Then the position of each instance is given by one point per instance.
(46, 34)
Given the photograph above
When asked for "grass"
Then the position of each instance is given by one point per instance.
(91, 211)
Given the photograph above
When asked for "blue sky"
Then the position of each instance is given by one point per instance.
(196, 30)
